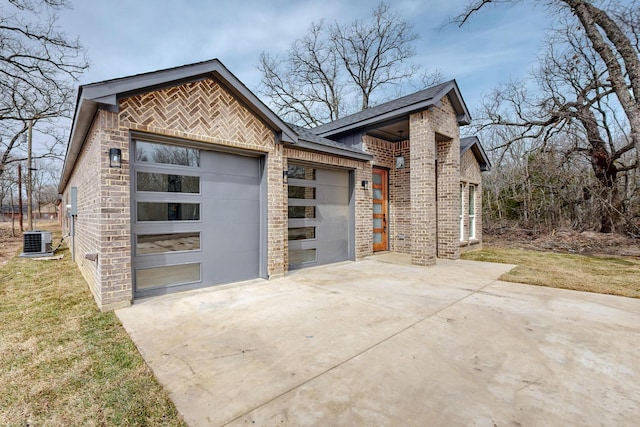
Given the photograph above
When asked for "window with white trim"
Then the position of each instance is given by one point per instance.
(461, 211)
(472, 211)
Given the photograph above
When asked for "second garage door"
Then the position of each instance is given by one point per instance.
(319, 215)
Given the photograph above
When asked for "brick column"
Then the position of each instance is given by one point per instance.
(277, 215)
(114, 241)
(448, 197)
(364, 212)
(423, 189)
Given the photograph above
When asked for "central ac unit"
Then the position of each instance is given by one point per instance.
(37, 243)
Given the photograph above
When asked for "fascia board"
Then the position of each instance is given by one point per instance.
(333, 150)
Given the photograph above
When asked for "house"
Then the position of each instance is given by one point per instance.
(47, 211)
(182, 178)
(473, 161)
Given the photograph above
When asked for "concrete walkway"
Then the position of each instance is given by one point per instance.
(380, 343)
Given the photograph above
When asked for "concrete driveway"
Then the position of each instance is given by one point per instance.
(381, 343)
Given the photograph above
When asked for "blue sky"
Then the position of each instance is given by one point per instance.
(125, 37)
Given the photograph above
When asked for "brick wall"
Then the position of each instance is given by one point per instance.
(201, 111)
(363, 208)
(447, 131)
(205, 112)
(384, 155)
(434, 135)
(276, 213)
(424, 213)
(423, 189)
(402, 200)
(86, 179)
(114, 247)
(470, 173)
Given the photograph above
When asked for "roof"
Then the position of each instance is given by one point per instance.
(473, 143)
(105, 95)
(398, 108)
(307, 139)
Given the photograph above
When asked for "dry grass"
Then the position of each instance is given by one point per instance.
(615, 275)
(10, 242)
(62, 362)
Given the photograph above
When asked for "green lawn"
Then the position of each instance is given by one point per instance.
(63, 362)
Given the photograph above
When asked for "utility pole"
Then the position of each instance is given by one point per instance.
(29, 183)
(20, 197)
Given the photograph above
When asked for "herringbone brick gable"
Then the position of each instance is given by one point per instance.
(198, 108)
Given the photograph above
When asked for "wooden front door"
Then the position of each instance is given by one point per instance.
(380, 209)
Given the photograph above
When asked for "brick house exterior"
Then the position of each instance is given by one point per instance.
(473, 161)
(202, 108)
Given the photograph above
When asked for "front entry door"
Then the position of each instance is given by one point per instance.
(380, 198)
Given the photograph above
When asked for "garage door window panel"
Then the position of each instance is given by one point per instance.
(302, 233)
(302, 256)
(148, 244)
(168, 275)
(167, 211)
(301, 172)
(167, 183)
(151, 152)
(302, 212)
(299, 192)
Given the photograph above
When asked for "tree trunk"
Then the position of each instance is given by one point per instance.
(596, 22)
(605, 171)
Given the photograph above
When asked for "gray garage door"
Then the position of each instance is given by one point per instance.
(319, 216)
(196, 218)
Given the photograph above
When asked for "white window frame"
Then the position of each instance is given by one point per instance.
(473, 205)
(462, 206)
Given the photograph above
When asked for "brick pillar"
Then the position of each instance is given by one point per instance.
(276, 214)
(448, 197)
(423, 189)
(364, 212)
(114, 232)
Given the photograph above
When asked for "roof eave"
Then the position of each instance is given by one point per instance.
(384, 117)
(85, 112)
(105, 95)
(314, 146)
(479, 152)
(462, 113)
(463, 117)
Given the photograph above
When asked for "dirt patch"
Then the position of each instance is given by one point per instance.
(10, 243)
(566, 241)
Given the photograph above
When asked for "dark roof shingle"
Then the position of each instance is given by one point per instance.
(397, 107)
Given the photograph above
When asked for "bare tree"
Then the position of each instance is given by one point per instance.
(376, 54)
(612, 31)
(337, 69)
(584, 83)
(573, 113)
(38, 66)
(305, 86)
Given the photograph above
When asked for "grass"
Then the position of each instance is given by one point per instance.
(590, 273)
(63, 362)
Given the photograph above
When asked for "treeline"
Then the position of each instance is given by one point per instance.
(546, 190)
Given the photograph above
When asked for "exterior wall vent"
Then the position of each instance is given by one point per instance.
(37, 243)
